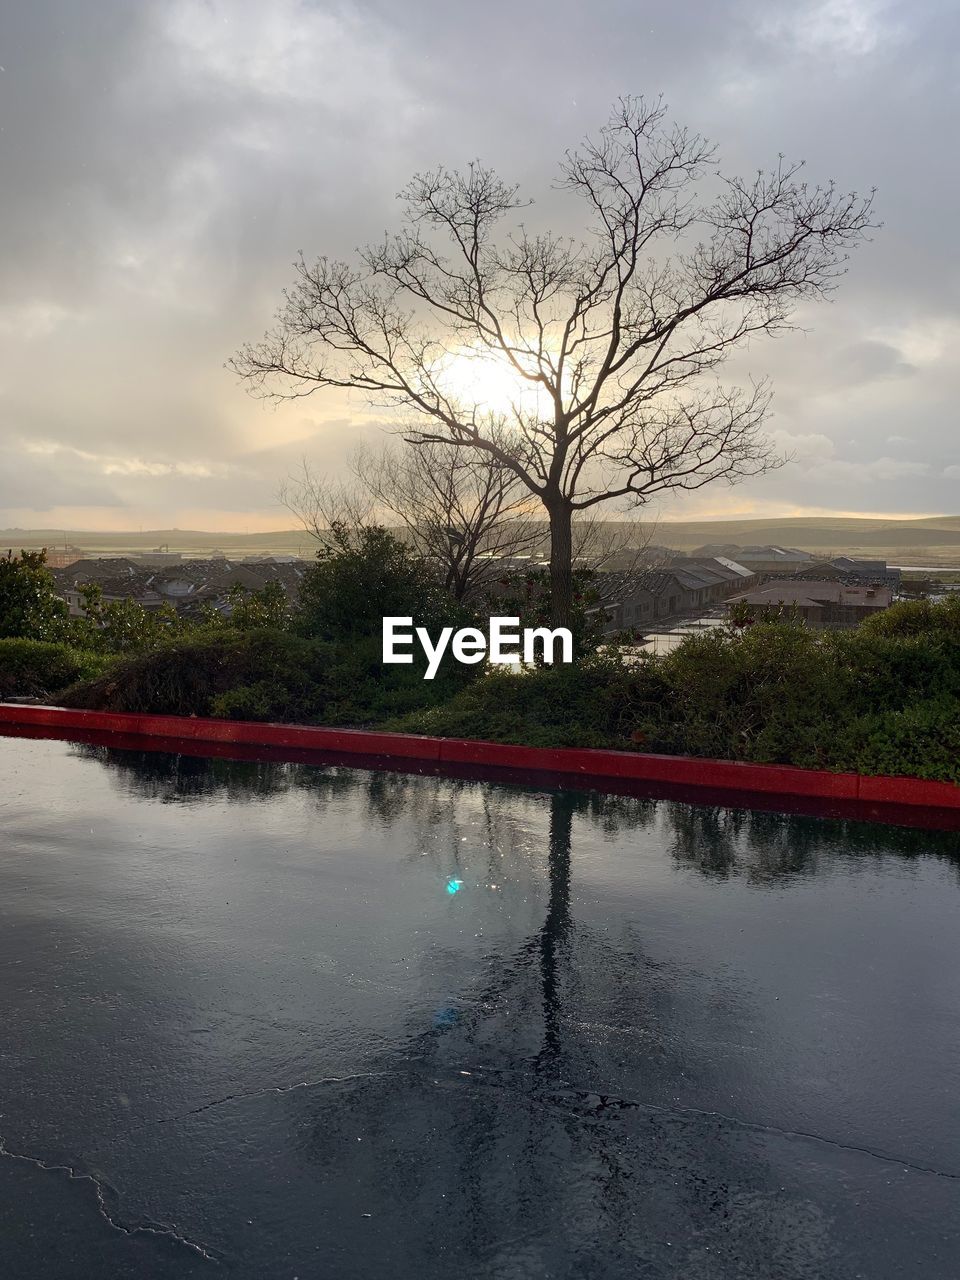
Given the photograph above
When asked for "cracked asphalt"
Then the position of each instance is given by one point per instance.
(264, 1020)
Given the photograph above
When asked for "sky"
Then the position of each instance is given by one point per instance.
(162, 162)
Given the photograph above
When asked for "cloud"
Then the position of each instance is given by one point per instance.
(864, 473)
(838, 28)
(164, 161)
(119, 466)
(869, 361)
(806, 450)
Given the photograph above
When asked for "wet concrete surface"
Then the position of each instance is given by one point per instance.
(264, 1020)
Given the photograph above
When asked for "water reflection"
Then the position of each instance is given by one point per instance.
(716, 840)
(556, 926)
(721, 843)
(593, 1058)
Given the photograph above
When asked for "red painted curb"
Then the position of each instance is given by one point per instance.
(682, 770)
(715, 775)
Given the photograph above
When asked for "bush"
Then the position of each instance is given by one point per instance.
(266, 675)
(247, 702)
(185, 677)
(591, 703)
(526, 594)
(119, 626)
(365, 576)
(37, 669)
(29, 605)
(884, 698)
(879, 699)
(940, 618)
(921, 741)
(765, 695)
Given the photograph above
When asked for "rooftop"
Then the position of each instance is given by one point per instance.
(815, 594)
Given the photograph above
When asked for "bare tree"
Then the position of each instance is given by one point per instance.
(622, 544)
(612, 340)
(320, 505)
(463, 511)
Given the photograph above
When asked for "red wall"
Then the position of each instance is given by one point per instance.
(688, 771)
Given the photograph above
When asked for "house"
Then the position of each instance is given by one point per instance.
(873, 573)
(627, 600)
(868, 573)
(773, 560)
(134, 587)
(186, 585)
(820, 604)
(638, 601)
(98, 569)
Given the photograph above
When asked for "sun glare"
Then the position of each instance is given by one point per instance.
(491, 382)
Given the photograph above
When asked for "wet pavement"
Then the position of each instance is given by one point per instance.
(265, 1020)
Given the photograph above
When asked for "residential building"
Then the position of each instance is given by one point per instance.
(872, 573)
(643, 600)
(773, 559)
(185, 585)
(820, 604)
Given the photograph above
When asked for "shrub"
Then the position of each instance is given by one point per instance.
(878, 699)
(37, 669)
(763, 695)
(526, 594)
(591, 703)
(266, 675)
(917, 618)
(248, 701)
(921, 740)
(29, 605)
(184, 677)
(365, 576)
(884, 698)
(120, 626)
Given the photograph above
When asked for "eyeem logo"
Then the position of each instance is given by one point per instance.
(470, 645)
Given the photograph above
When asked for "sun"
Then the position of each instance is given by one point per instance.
(489, 381)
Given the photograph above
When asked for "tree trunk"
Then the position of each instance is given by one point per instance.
(561, 562)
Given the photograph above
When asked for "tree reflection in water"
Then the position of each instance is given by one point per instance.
(722, 843)
(549, 1118)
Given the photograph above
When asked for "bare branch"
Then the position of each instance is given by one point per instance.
(612, 343)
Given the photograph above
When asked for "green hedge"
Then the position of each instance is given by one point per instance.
(266, 675)
(881, 699)
(884, 698)
(592, 703)
(189, 677)
(36, 669)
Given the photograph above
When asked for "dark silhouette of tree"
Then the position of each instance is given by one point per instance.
(612, 341)
(461, 511)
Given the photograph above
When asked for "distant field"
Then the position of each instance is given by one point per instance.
(930, 541)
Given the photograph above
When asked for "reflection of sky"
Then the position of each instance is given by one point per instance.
(484, 965)
(338, 889)
(329, 889)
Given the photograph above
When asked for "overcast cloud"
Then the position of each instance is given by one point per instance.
(162, 161)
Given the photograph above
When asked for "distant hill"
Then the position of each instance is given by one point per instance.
(930, 540)
(187, 541)
(818, 533)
